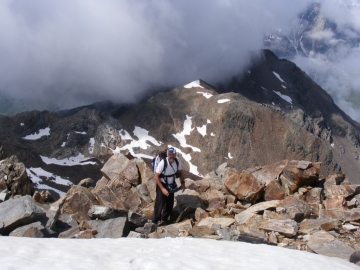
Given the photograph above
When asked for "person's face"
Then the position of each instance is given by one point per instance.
(171, 157)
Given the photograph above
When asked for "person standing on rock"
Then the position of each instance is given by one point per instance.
(165, 173)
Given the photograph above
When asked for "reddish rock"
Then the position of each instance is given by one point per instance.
(245, 187)
(296, 206)
(266, 174)
(334, 203)
(294, 176)
(273, 191)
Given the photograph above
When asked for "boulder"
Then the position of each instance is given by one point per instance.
(273, 191)
(18, 212)
(37, 197)
(106, 197)
(110, 228)
(268, 173)
(223, 222)
(144, 193)
(214, 199)
(228, 234)
(334, 203)
(145, 172)
(78, 199)
(13, 177)
(296, 206)
(136, 220)
(323, 243)
(334, 179)
(178, 229)
(87, 183)
(133, 234)
(314, 197)
(286, 227)
(344, 190)
(151, 186)
(294, 175)
(325, 223)
(200, 231)
(200, 214)
(119, 167)
(100, 184)
(245, 215)
(105, 212)
(189, 198)
(202, 185)
(34, 230)
(70, 233)
(245, 187)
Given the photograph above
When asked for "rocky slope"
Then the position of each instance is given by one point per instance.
(283, 204)
(272, 112)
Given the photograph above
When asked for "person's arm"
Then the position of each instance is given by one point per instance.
(182, 180)
(158, 182)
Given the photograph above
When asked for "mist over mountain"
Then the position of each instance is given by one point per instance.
(324, 42)
(62, 55)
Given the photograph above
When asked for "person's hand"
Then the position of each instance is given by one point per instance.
(165, 192)
(183, 187)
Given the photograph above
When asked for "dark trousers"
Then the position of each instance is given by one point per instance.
(163, 205)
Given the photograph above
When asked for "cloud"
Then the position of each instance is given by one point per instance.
(76, 52)
(337, 68)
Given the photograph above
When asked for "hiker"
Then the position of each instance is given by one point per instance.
(165, 173)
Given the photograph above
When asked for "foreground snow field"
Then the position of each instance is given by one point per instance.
(167, 253)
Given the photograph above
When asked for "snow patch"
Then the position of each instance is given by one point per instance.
(70, 161)
(63, 144)
(82, 132)
(283, 86)
(208, 121)
(278, 76)
(332, 145)
(192, 168)
(92, 144)
(137, 253)
(202, 130)
(186, 131)
(143, 136)
(229, 155)
(223, 100)
(207, 95)
(38, 135)
(193, 84)
(35, 174)
(284, 97)
(22, 124)
(212, 134)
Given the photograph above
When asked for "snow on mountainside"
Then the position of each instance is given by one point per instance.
(274, 112)
(327, 49)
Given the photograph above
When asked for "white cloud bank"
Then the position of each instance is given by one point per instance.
(75, 52)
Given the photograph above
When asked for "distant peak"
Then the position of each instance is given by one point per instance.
(193, 84)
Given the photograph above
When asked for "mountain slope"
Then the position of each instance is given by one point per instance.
(272, 112)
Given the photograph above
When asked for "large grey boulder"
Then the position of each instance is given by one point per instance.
(13, 177)
(323, 243)
(18, 212)
(34, 230)
(110, 228)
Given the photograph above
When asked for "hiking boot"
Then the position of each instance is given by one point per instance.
(162, 223)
